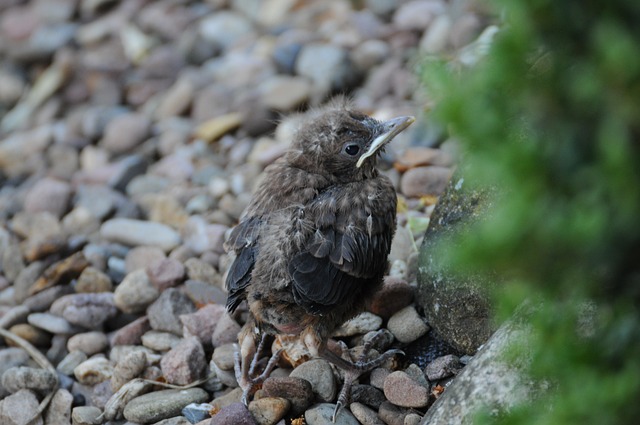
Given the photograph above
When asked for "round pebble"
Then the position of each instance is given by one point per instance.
(400, 389)
(322, 414)
(406, 325)
(320, 374)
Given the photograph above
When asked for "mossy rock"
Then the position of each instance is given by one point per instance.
(456, 304)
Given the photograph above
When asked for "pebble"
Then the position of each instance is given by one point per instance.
(22, 377)
(412, 419)
(378, 376)
(52, 323)
(422, 181)
(365, 415)
(392, 414)
(196, 412)
(50, 195)
(165, 273)
(140, 257)
(135, 293)
(93, 371)
(165, 311)
(321, 414)
(31, 334)
(226, 331)
(284, 93)
(158, 405)
(297, 390)
(361, 324)
(443, 367)
(68, 364)
(320, 375)
(125, 132)
(184, 363)
(368, 395)
(327, 66)
(137, 232)
(59, 410)
(400, 389)
(19, 409)
(406, 325)
(131, 334)
(227, 398)
(89, 343)
(269, 410)
(93, 280)
(89, 310)
(417, 14)
(199, 270)
(160, 341)
(128, 368)
(224, 376)
(233, 414)
(202, 323)
(85, 415)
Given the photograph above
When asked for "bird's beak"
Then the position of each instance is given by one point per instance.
(390, 129)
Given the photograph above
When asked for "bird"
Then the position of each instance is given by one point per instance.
(312, 245)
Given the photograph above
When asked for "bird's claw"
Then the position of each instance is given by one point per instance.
(245, 374)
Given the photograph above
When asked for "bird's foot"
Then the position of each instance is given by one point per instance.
(353, 369)
(246, 373)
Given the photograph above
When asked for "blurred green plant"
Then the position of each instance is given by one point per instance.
(552, 116)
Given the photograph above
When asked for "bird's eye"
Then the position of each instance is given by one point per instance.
(352, 149)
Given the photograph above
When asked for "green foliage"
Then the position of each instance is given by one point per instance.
(552, 116)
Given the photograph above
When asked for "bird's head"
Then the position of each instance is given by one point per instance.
(344, 143)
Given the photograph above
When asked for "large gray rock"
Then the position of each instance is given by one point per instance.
(491, 381)
(456, 304)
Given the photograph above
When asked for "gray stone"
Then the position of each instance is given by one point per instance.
(89, 310)
(226, 331)
(443, 367)
(135, 293)
(19, 409)
(165, 311)
(327, 66)
(85, 415)
(68, 364)
(365, 415)
(52, 323)
(19, 378)
(233, 414)
(456, 304)
(406, 325)
(298, 391)
(50, 195)
(158, 405)
(320, 374)
(93, 371)
(59, 410)
(489, 381)
(160, 341)
(322, 414)
(89, 343)
(401, 390)
(184, 363)
(137, 232)
(196, 412)
(125, 132)
(225, 28)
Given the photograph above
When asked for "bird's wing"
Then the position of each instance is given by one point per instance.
(242, 240)
(349, 247)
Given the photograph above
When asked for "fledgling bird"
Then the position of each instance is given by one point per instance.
(312, 245)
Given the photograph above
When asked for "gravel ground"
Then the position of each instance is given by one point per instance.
(132, 134)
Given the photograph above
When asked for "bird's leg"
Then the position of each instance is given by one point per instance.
(353, 370)
(245, 370)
